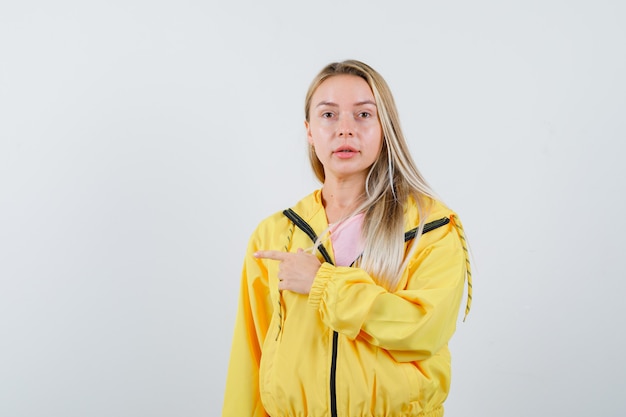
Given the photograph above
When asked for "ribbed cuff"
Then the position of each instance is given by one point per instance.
(319, 284)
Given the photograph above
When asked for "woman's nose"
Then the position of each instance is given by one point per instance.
(346, 128)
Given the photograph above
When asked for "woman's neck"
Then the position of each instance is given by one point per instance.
(340, 199)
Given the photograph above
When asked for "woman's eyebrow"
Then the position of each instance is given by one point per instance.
(327, 103)
(361, 103)
(358, 103)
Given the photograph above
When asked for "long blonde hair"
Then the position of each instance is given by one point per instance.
(391, 180)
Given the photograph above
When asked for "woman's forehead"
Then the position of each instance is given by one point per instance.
(341, 89)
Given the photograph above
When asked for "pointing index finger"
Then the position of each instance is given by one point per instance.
(270, 254)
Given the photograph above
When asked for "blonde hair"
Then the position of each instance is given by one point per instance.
(392, 179)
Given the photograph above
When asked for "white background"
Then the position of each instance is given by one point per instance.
(142, 141)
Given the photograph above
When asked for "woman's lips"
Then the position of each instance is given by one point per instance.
(345, 153)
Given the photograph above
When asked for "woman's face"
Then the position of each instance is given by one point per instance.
(343, 127)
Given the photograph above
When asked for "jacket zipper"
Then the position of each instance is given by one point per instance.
(306, 228)
(333, 376)
(427, 228)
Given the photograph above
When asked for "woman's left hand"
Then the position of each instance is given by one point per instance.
(296, 271)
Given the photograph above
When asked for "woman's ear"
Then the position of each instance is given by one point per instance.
(309, 136)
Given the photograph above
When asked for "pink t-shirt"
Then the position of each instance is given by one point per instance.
(347, 240)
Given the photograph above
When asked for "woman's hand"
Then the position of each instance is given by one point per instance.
(296, 271)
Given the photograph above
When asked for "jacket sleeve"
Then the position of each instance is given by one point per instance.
(413, 323)
(241, 397)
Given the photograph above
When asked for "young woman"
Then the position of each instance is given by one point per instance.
(349, 298)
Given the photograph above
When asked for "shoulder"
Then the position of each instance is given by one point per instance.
(431, 209)
(278, 222)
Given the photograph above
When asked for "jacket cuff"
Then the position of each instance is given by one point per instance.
(319, 284)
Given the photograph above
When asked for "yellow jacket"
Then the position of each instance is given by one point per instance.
(350, 348)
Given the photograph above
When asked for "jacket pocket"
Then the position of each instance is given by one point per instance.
(429, 379)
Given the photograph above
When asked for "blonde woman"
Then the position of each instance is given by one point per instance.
(349, 298)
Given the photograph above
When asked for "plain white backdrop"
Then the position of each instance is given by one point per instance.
(142, 141)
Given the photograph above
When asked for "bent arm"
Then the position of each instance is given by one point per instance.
(413, 323)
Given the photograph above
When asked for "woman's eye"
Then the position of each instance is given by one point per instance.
(364, 115)
(327, 115)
